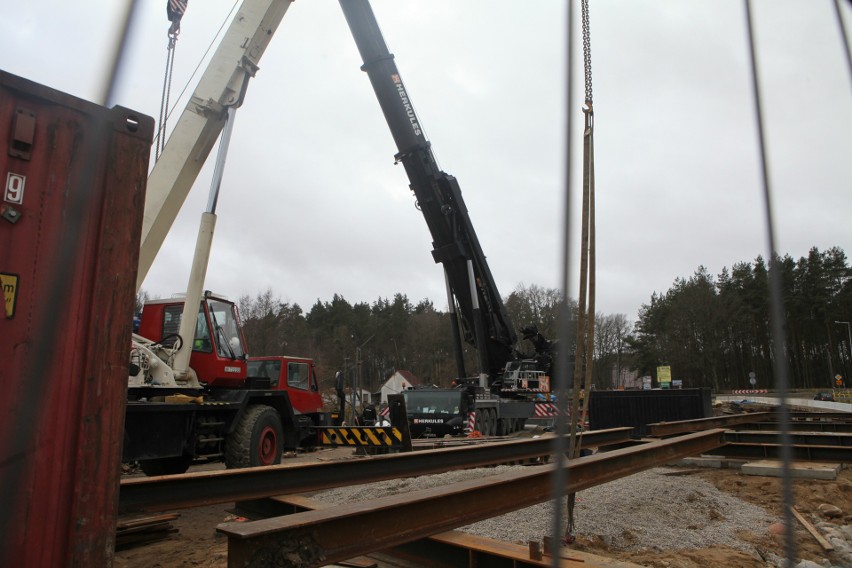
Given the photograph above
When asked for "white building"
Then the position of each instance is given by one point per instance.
(398, 382)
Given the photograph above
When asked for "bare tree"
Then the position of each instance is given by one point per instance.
(611, 335)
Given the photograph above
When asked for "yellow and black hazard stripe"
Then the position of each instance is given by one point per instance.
(363, 436)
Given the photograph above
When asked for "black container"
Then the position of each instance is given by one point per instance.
(614, 409)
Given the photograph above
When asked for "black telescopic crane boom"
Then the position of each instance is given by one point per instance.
(480, 307)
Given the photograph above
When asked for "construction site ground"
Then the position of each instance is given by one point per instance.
(196, 542)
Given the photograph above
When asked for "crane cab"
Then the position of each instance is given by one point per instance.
(218, 348)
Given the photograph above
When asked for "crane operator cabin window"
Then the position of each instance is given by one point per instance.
(225, 329)
(297, 375)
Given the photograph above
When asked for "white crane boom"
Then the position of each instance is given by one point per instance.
(223, 84)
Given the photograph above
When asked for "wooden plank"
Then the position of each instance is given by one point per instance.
(144, 521)
(812, 529)
(152, 528)
(144, 530)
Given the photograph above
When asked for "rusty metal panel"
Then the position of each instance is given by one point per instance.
(74, 177)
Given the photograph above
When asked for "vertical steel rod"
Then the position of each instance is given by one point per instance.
(776, 314)
(563, 361)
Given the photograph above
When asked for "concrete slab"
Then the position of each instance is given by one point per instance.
(801, 470)
(797, 402)
(709, 462)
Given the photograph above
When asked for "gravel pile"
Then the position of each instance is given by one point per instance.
(645, 510)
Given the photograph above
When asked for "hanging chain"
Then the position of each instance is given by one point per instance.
(584, 348)
(164, 101)
(587, 50)
(175, 9)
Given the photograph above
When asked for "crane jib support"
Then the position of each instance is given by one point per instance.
(223, 83)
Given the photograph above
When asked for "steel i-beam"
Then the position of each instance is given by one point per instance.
(698, 424)
(169, 492)
(316, 538)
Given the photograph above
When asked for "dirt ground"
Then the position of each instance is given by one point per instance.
(197, 544)
(763, 491)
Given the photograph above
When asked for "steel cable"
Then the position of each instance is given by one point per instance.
(776, 307)
(843, 37)
(160, 142)
(563, 360)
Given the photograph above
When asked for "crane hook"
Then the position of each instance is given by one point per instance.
(175, 10)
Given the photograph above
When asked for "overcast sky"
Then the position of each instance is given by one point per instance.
(313, 205)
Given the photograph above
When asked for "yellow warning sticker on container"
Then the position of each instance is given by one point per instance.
(9, 282)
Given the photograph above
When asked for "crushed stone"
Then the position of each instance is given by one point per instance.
(645, 510)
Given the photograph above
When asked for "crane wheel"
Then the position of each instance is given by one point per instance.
(491, 422)
(257, 440)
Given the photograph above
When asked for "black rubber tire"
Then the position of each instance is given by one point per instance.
(490, 422)
(257, 439)
(165, 466)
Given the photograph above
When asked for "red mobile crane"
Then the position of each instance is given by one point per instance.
(193, 393)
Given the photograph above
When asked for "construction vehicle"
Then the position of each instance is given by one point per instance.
(194, 399)
(511, 387)
(296, 375)
(193, 393)
(247, 413)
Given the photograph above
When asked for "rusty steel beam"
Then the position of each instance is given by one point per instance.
(450, 548)
(165, 493)
(458, 549)
(683, 426)
(842, 416)
(800, 426)
(796, 438)
(317, 538)
(828, 454)
(661, 429)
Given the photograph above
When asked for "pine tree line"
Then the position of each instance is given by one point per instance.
(714, 332)
(711, 331)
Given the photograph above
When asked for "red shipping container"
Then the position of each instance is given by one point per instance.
(73, 176)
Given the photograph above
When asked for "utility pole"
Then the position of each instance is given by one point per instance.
(351, 392)
(359, 379)
(849, 345)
